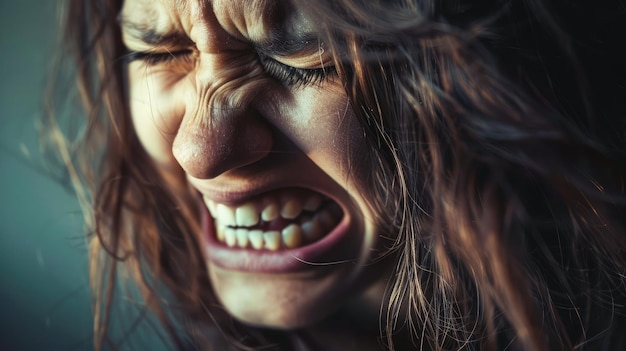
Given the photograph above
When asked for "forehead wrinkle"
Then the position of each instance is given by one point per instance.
(133, 23)
(151, 22)
(204, 28)
(272, 26)
(250, 19)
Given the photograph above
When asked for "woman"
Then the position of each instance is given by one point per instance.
(356, 174)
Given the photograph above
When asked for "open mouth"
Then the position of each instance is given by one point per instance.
(279, 220)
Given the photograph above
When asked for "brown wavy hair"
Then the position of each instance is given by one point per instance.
(497, 139)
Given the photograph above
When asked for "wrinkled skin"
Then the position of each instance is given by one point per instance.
(212, 110)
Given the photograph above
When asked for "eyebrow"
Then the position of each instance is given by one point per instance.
(151, 36)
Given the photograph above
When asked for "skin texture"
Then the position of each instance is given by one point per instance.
(213, 112)
(492, 158)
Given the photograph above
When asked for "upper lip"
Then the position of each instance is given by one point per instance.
(234, 192)
(228, 193)
(277, 172)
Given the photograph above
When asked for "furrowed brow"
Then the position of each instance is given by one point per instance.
(151, 36)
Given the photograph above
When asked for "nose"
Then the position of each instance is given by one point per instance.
(223, 131)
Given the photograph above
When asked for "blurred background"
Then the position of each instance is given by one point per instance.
(44, 295)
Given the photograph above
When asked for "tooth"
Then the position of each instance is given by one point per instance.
(242, 237)
(256, 239)
(313, 203)
(312, 230)
(292, 235)
(326, 219)
(291, 209)
(271, 240)
(246, 215)
(270, 213)
(211, 206)
(231, 237)
(225, 215)
(220, 233)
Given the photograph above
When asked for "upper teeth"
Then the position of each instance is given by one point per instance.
(251, 213)
(246, 215)
(270, 213)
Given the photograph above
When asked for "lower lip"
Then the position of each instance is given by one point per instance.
(336, 247)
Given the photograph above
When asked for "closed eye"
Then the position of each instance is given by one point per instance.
(289, 76)
(153, 58)
(294, 77)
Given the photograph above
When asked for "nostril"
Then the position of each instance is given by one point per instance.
(207, 151)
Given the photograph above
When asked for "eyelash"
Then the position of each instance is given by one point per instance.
(154, 58)
(295, 77)
(288, 75)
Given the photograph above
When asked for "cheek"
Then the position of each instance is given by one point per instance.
(156, 114)
(322, 124)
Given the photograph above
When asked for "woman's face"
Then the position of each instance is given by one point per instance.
(242, 97)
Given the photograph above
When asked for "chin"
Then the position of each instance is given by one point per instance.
(289, 301)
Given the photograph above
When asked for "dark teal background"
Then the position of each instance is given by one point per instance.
(44, 284)
(44, 296)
